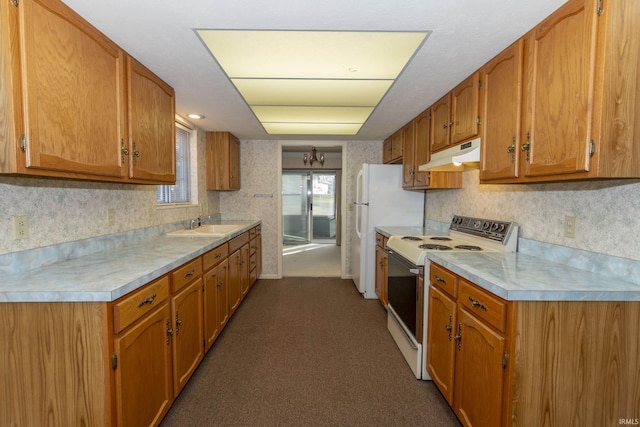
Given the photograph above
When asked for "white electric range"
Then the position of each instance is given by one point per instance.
(407, 267)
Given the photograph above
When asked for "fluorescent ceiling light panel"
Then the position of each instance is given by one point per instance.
(312, 128)
(344, 93)
(312, 114)
(312, 69)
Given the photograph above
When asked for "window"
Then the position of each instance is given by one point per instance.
(180, 192)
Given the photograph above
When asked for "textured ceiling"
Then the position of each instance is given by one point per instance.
(160, 34)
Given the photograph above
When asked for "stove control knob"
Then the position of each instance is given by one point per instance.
(495, 226)
(486, 225)
(477, 224)
(501, 227)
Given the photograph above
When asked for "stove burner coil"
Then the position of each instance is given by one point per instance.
(435, 247)
(442, 238)
(412, 238)
(469, 247)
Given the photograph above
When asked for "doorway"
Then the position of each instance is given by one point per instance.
(309, 207)
(311, 204)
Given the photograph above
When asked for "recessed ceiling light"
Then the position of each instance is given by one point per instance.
(312, 82)
(196, 116)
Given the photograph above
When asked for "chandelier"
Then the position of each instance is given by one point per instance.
(313, 157)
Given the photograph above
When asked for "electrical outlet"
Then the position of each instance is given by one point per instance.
(20, 227)
(570, 226)
(111, 217)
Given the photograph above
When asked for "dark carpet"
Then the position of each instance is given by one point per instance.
(307, 352)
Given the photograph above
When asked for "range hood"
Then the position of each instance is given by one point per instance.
(455, 159)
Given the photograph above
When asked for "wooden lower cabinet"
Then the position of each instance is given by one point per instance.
(187, 341)
(119, 363)
(216, 309)
(381, 269)
(479, 373)
(143, 374)
(531, 363)
(441, 353)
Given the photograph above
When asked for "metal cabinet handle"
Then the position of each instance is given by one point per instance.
(190, 273)
(178, 323)
(169, 331)
(458, 336)
(440, 279)
(527, 146)
(448, 327)
(218, 255)
(148, 300)
(476, 303)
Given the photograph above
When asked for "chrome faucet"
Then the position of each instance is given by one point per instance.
(193, 222)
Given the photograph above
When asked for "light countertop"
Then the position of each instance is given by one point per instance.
(521, 277)
(109, 274)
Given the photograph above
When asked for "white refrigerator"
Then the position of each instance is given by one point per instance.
(379, 201)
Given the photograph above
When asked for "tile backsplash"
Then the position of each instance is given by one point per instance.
(61, 211)
(606, 212)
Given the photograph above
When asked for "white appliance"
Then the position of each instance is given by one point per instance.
(408, 308)
(379, 201)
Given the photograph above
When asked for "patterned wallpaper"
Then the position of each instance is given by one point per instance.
(607, 212)
(63, 211)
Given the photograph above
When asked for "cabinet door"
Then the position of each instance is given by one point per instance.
(73, 83)
(386, 151)
(152, 135)
(464, 109)
(560, 74)
(479, 374)
(440, 342)
(258, 255)
(211, 306)
(234, 282)
(188, 349)
(381, 276)
(234, 163)
(501, 113)
(396, 146)
(245, 280)
(408, 155)
(223, 293)
(422, 151)
(143, 391)
(440, 123)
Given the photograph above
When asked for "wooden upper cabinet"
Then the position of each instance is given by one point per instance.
(501, 111)
(559, 71)
(223, 161)
(422, 148)
(151, 125)
(408, 154)
(72, 100)
(72, 84)
(393, 148)
(465, 119)
(440, 123)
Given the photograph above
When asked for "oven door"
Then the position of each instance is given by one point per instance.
(405, 292)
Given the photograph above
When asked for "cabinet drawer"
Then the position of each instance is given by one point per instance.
(253, 233)
(215, 256)
(237, 242)
(258, 230)
(253, 262)
(381, 240)
(443, 279)
(252, 246)
(186, 274)
(132, 307)
(483, 304)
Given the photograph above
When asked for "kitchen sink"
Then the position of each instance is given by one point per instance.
(208, 230)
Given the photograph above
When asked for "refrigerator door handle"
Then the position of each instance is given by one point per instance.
(358, 203)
